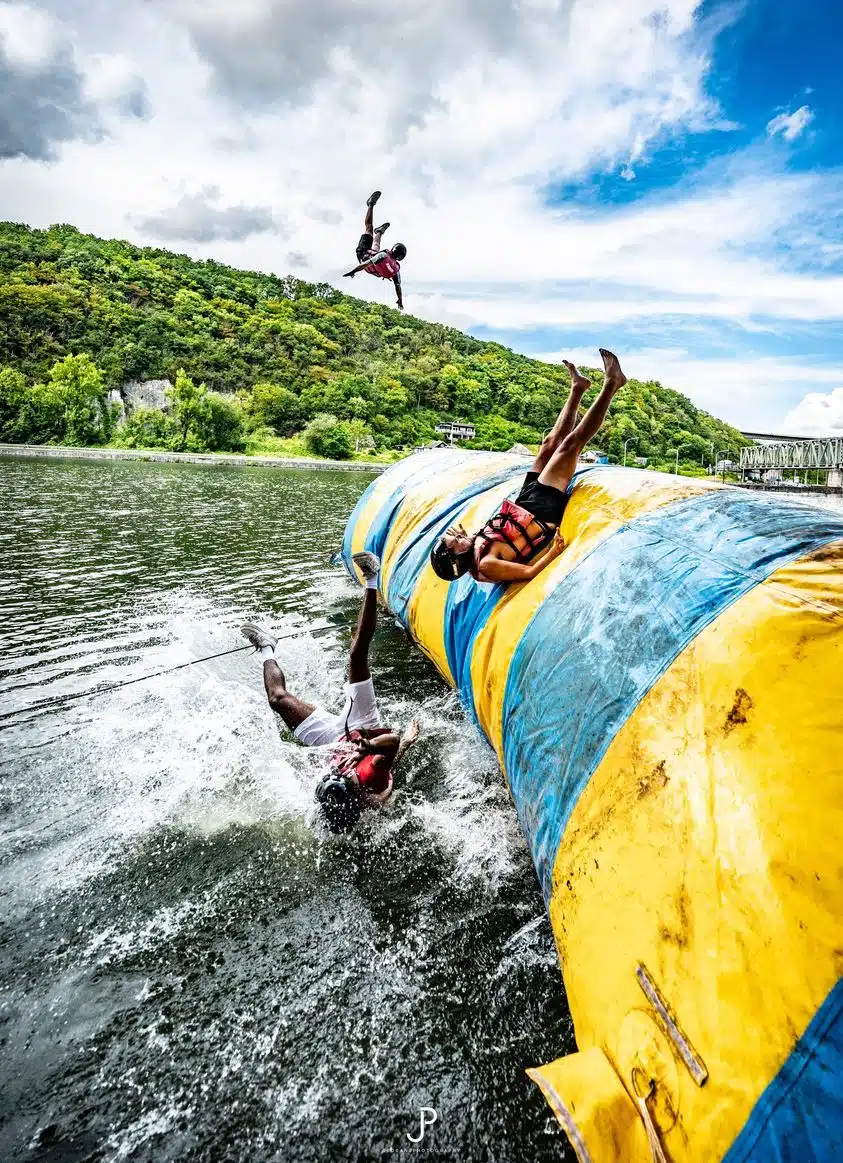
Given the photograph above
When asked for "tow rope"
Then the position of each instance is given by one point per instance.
(115, 686)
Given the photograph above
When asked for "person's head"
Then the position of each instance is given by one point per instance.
(453, 554)
(399, 251)
(339, 802)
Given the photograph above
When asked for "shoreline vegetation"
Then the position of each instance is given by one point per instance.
(93, 331)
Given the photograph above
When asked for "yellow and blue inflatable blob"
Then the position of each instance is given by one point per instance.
(666, 701)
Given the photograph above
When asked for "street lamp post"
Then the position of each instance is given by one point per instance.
(628, 441)
(676, 469)
(723, 471)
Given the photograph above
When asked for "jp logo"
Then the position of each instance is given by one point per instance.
(428, 1118)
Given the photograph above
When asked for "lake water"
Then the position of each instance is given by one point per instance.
(190, 968)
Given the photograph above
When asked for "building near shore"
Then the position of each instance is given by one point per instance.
(457, 430)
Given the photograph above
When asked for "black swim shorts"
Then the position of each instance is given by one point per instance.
(545, 502)
(364, 247)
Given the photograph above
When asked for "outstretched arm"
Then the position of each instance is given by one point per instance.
(350, 274)
(406, 741)
(496, 569)
(397, 282)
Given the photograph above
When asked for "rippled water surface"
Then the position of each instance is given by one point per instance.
(190, 969)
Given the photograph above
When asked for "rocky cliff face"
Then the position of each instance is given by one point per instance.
(141, 394)
(145, 393)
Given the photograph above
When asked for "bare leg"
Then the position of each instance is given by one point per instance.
(292, 710)
(563, 462)
(566, 419)
(358, 659)
(370, 207)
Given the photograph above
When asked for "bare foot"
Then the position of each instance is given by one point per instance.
(614, 377)
(579, 383)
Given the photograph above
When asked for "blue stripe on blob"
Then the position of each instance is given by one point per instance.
(800, 1114)
(614, 625)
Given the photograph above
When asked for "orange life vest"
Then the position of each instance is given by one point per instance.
(509, 524)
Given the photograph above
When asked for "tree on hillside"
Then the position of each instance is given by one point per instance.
(270, 405)
(359, 434)
(219, 424)
(76, 390)
(188, 406)
(326, 436)
(14, 406)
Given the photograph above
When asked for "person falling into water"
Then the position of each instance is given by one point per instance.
(522, 537)
(365, 754)
(383, 264)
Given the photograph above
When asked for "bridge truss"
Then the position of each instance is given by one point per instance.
(825, 453)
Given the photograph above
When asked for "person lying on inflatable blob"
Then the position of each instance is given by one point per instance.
(522, 537)
(364, 753)
(383, 264)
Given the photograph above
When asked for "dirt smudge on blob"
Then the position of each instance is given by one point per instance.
(741, 707)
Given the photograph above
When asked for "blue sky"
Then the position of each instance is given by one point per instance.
(768, 59)
(664, 177)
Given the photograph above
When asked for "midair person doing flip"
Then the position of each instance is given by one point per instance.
(383, 264)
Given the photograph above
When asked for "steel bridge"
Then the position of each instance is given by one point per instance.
(825, 454)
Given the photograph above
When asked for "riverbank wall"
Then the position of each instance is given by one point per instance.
(822, 490)
(217, 460)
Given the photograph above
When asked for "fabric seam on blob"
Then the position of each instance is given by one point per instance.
(564, 1116)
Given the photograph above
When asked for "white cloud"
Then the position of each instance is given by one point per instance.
(112, 80)
(791, 125)
(48, 95)
(29, 36)
(198, 218)
(817, 414)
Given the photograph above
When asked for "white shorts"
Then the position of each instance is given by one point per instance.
(360, 710)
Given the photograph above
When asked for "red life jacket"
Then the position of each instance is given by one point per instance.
(386, 267)
(371, 778)
(510, 524)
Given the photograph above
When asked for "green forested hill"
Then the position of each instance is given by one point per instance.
(274, 354)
